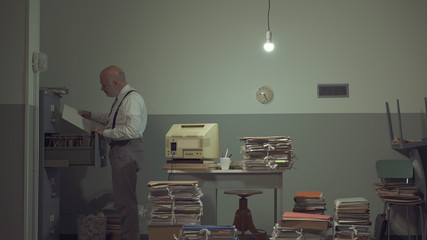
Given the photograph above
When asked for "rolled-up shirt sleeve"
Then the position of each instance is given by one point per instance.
(101, 118)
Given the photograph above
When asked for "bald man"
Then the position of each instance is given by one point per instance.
(124, 127)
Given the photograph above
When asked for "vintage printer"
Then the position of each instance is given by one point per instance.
(192, 141)
(63, 143)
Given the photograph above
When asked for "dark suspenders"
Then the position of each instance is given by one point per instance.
(117, 110)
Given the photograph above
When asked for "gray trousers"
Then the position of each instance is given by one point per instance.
(125, 160)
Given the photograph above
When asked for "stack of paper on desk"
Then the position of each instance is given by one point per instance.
(352, 218)
(290, 233)
(188, 166)
(271, 152)
(305, 220)
(175, 203)
(309, 202)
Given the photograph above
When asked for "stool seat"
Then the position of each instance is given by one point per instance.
(243, 193)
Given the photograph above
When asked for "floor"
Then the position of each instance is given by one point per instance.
(75, 237)
(143, 237)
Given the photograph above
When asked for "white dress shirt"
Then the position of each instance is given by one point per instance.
(131, 118)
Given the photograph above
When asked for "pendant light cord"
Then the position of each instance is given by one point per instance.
(268, 16)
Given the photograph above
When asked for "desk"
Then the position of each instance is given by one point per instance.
(211, 181)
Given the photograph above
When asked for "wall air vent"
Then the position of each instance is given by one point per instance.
(332, 90)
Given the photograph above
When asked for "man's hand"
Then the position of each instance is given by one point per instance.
(98, 130)
(85, 114)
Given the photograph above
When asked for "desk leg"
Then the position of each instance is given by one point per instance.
(281, 202)
(216, 206)
(209, 201)
(278, 211)
(275, 206)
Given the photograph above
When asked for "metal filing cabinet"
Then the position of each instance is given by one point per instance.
(59, 150)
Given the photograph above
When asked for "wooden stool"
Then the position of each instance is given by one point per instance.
(243, 217)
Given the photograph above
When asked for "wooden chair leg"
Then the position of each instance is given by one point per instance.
(421, 216)
(408, 222)
(388, 221)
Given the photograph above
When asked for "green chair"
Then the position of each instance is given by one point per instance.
(399, 171)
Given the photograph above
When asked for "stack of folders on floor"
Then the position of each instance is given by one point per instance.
(295, 224)
(352, 218)
(309, 202)
(271, 152)
(175, 203)
(188, 165)
(398, 193)
(305, 221)
(289, 233)
(208, 232)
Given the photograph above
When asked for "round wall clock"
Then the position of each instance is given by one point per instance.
(264, 94)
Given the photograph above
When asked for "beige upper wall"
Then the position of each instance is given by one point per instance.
(206, 57)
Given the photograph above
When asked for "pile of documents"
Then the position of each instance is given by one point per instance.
(271, 152)
(305, 221)
(399, 193)
(289, 233)
(309, 202)
(352, 218)
(188, 165)
(175, 203)
(208, 232)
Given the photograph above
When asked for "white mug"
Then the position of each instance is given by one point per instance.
(225, 163)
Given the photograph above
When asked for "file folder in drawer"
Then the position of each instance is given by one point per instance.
(69, 150)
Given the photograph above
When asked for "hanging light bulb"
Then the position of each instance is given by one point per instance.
(269, 45)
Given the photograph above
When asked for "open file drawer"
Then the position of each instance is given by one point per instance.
(75, 150)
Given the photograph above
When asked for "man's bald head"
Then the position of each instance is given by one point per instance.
(113, 73)
(112, 80)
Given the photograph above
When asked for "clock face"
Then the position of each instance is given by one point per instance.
(264, 94)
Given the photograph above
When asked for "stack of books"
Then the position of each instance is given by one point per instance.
(271, 152)
(305, 221)
(289, 233)
(352, 218)
(208, 232)
(113, 219)
(309, 202)
(175, 203)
